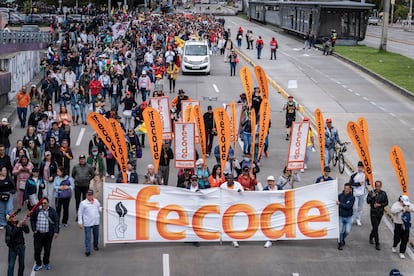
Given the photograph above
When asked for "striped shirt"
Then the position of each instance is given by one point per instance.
(42, 224)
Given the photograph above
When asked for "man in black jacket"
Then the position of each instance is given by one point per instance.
(209, 129)
(345, 202)
(378, 200)
(45, 227)
(15, 242)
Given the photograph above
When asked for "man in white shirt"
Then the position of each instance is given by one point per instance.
(70, 78)
(88, 219)
(359, 184)
(230, 184)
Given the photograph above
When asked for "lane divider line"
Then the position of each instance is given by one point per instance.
(80, 137)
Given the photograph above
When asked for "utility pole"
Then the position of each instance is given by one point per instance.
(410, 14)
(385, 19)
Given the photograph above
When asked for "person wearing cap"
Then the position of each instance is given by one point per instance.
(82, 173)
(159, 84)
(33, 191)
(270, 187)
(395, 272)
(15, 242)
(151, 177)
(359, 183)
(291, 106)
(144, 85)
(401, 213)
(45, 227)
(378, 200)
(233, 60)
(287, 180)
(325, 175)
(194, 185)
(247, 179)
(5, 132)
(95, 160)
(259, 46)
(176, 102)
(22, 102)
(88, 219)
(331, 139)
(132, 176)
(310, 145)
(172, 75)
(345, 203)
(203, 172)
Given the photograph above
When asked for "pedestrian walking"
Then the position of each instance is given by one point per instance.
(64, 187)
(359, 184)
(23, 101)
(88, 219)
(167, 155)
(401, 214)
(310, 145)
(378, 200)
(273, 47)
(331, 139)
(210, 129)
(345, 202)
(82, 173)
(15, 242)
(45, 226)
(233, 60)
(290, 107)
(259, 46)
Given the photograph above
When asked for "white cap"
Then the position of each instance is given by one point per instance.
(271, 178)
(199, 162)
(143, 72)
(4, 121)
(405, 200)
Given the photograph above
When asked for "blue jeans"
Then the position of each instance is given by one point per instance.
(5, 208)
(329, 153)
(75, 111)
(232, 68)
(115, 102)
(93, 102)
(259, 52)
(308, 152)
(345, 226)
(22, 114)
(247, 142)
(13, 254)
(358, 206)
(62, 101)
(84, 112)
(95, 230)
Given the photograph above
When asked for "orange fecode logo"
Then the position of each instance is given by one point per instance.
(256, 221)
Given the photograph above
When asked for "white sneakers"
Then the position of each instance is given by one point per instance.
(394, 249)
(302, 170)
(402, 256)
(358, 222)
(268, 244)
(236, 244)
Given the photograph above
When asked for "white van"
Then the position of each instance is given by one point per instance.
(196, 57)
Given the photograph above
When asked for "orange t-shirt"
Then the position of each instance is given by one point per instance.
(23, 99)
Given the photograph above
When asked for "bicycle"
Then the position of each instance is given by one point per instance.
(338, 156)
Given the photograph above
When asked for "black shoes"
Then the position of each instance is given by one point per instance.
(340, 246)
(96, 248)
(377, 247)
(87, 254)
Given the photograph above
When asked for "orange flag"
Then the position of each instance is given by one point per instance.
(363, 125)
(112, 137)
(247, 81)
(188, 114)
(398, 162)
(253, 124)
(263, 125)
(262, 81)
(153, 123)
(199, 121)
(361, 147)
(320, 129)
(223, 134)
(233, 125)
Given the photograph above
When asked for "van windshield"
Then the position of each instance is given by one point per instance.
(195, 50)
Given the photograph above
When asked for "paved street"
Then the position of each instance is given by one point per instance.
(343, 93)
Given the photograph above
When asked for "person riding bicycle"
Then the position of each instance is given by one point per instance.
(331, 139)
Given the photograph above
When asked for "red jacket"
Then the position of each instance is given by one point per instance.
(95, 86)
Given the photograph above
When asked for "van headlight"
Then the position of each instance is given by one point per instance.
(186, 59)
(205, 59)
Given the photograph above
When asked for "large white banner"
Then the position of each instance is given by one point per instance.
(149, 213)
(162, 105)
(298, 143)
(184, 145)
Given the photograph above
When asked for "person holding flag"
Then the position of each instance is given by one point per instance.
(401, 213)
(378, 200)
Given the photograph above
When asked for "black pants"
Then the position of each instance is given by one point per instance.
(401, 235)
(272, 54)
(172, 84)
(375, 222)
(110, 166)
(63, 202)
(80, 190)
(42, 241)
(209, 140)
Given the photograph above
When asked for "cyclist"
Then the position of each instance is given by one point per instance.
(331, 139)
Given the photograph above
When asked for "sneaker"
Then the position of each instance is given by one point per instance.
(394, 249)
(47, 267)
(358, 222)
(402, 256)
(268, 244)
(1, 227)
(113, 176)
(87, 254)
(302, 170)
(377, 247)
(207, 155)
(306, 166)
(107, 174)
(371, 240)
(236, 244)
(340, 247)
(96, 248)
(37, 267)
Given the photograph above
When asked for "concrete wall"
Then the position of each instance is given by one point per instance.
(22, 66)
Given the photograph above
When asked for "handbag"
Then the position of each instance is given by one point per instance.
(65, 193)
(4, 196)
(236, 60)
(22, 184)
(139, 152)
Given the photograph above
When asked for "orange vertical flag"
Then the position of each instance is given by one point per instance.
(120, 139)
(262, 81)
(398, 163)
(320, 129)
(234, 127)
(153, 123)
(361, 147)
(223, 134)
(247, 81)
(253, 124)
(263, 125)
(199, 121)
(188, 114)
(363, 125)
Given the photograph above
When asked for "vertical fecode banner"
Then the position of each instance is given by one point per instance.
(153, 123)
(187, 106)
(223, 133)
(162, 105)
(262, 81)
(297, 148)
(184, 145)
(398, 163)
(122, 152)
(233, 125)
(363, 125)
(239, 109)
(247, 81)
(361, 147)
(199, 121)
(254, 129)
(320, 130)
(263, 125)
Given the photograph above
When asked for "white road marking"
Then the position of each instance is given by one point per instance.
(403, 122)
(357, 94)
(350, 90)
(305, 55)
(338, 82)
(365, 98)
(373, 103)
(166, 264)
(344, 86)
(79, 140)
(392, 114)
(295, 274)
(380, 107)
(292, 84)
(216, 88)
(33, 273)
(412, 128)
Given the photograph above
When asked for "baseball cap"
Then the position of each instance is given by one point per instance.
(82, 156)
(327, 169)
(290, 96)
(194, 176)
(270, 178)
(360, 164)
(4, 121)
(329, 120)
(395, 272)
(306, 119)
(405, 200)
(89, 192)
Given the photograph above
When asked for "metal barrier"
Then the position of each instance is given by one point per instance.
(18, 37)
